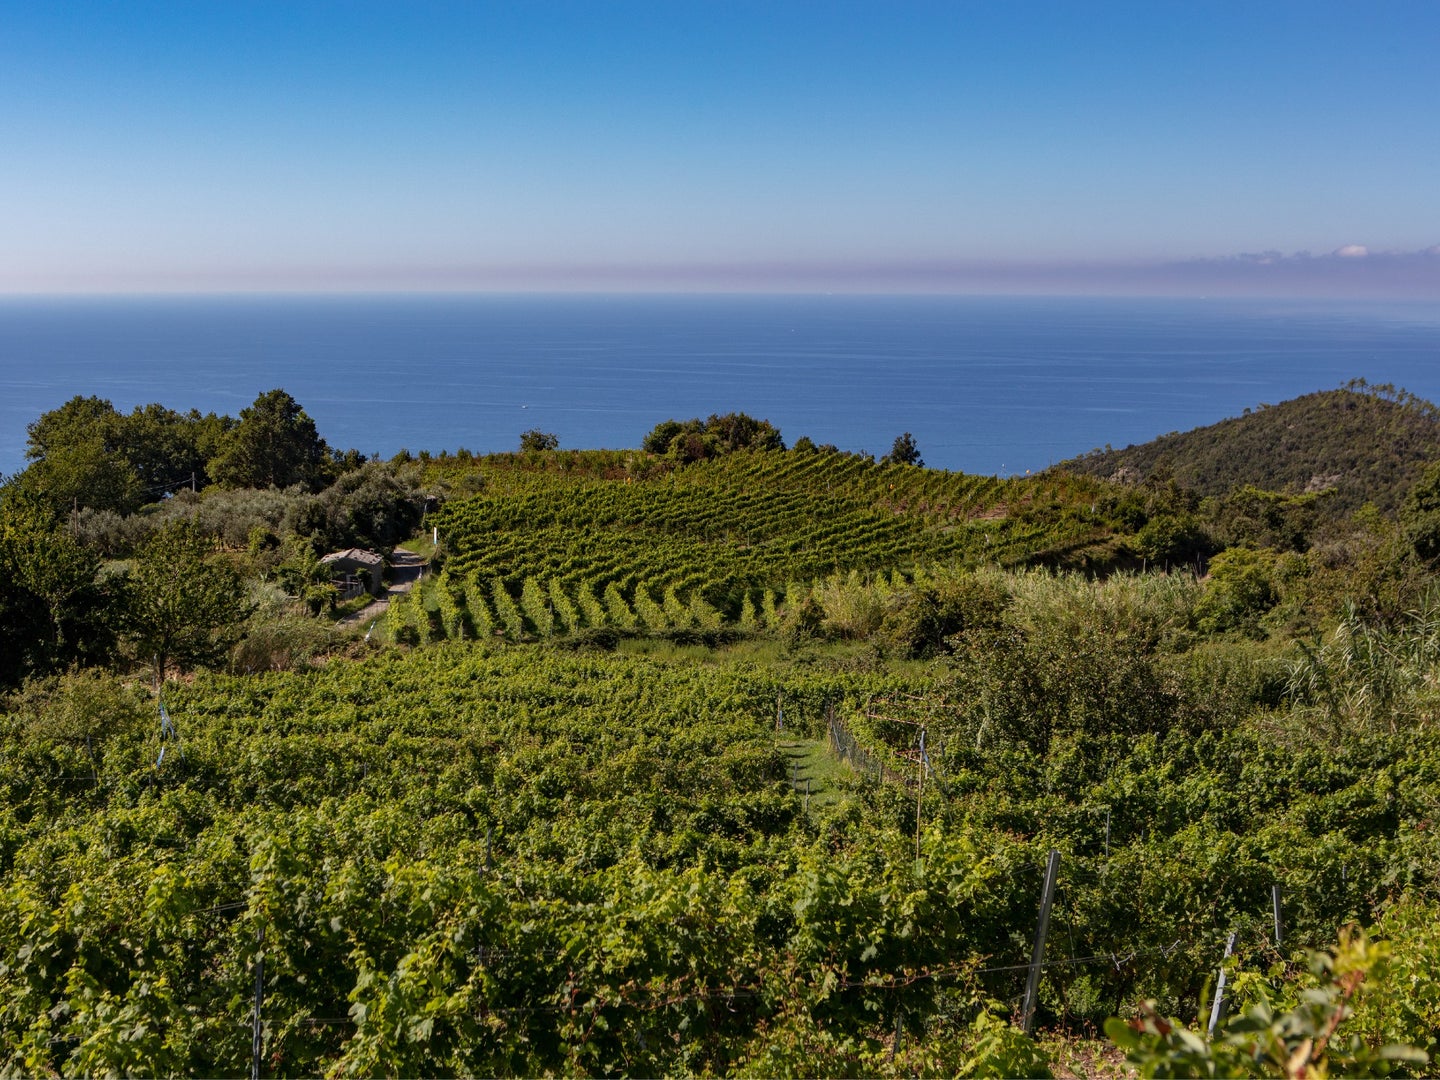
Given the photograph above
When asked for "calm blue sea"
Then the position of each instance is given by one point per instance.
(985, 385)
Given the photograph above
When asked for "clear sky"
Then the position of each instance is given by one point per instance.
(1009, 146)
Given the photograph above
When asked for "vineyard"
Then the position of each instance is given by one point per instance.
(491, 859)
(723, 542)
(772, 763)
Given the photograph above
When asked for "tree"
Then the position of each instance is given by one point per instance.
(304, 576)
(79, 420)
(184, 605)
(663, 433)
(535, 439)
(170, 450)
(275, 444)
(1420, 515)
(904, 452)
(740, 431)
(52, 612)
(79, 460)
(696, 439)
(87, 455)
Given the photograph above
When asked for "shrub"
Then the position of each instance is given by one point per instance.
(1239, 589)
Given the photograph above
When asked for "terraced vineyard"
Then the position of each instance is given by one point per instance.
(726, 541)
(483, 860)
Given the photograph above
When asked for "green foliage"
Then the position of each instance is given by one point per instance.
(1003, 1050)
(1406, 1009)
(1361, 443)
(85, 454)
(1171, 540)
(852, 607)
(590, 608)
(507, 614)
(1239, 590)
(276, 637)
(78, 458)
(749, 522)
(183, 604)
(82, 709)
(925, 617)
(1420, 514)
(477, 607)
(304, 576)
(1311, 1039)
(275, 444)
(170, 450)
(52, 611)
(617, 611)
(651, 615)
(537, 440)
(903, 452)
(580, 850)
(374, 505)
(1365, 676)
(695, 440)
(567, 616)
(1250, 516)
(536, 605)
(484, 859)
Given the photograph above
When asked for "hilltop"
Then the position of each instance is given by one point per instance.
(1362, 443)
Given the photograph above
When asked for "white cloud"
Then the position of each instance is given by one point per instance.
(1352, 251)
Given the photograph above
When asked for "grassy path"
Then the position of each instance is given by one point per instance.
(812, 764)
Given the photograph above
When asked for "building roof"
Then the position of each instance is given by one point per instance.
(354, 555)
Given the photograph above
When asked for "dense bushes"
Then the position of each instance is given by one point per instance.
(685, 441)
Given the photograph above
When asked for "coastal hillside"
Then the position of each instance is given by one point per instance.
(723, 541)
(710, 757)
(1361, 443)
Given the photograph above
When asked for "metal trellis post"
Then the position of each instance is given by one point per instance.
(1037, 959)
(1219, 1003)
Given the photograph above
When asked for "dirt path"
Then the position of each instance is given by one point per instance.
(405, 570)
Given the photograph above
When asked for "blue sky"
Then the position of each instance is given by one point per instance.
(726, 145)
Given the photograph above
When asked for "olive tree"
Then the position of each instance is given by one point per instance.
(184, 605)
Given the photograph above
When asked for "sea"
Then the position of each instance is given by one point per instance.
(991, 385)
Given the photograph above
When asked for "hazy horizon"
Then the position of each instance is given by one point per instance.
(1042, 147)
(1387, 276)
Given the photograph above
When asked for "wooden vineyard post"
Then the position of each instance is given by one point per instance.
(257, 1034)
(1219, 1002)
(1279, 915)
(1037, 958)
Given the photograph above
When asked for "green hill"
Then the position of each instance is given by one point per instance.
(1363, 443)
(723, 541)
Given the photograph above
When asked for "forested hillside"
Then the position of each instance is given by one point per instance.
(1361, 444)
